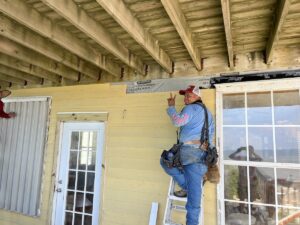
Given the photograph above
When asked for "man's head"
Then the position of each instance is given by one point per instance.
(191, 94)
(4, 93)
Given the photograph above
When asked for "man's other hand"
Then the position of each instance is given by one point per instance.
(171, 100)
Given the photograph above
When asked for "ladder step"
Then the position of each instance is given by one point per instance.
(180, 208)
(173, 197)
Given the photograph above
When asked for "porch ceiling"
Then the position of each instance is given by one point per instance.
(67, 42)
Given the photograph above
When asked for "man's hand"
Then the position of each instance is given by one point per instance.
(12, 114)
(171, 100)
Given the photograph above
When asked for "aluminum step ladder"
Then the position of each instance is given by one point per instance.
(177, 204)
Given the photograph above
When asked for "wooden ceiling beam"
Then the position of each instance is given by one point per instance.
(124, 17)
(281, 13)
(13, 80)
(17, 51)
(43, 26)
(29, 69)
(94, 30)
(29, 39)
(227, 26)
(178, 19)
(20, 75)
(4, 84)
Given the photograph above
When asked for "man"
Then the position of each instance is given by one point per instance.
(3, 114)
(192, 153)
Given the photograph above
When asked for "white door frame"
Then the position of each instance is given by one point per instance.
(62, 168)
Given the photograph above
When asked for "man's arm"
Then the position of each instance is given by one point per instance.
(179, 119)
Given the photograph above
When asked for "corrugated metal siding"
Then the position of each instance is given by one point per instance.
(22, 143)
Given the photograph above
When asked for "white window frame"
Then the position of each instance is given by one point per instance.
(245, 87)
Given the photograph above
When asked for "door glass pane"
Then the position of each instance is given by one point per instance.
(236, 183)
(236, 213)
(89, 198)
(78, 219)
(80, 181)
(288, 216)
(287, 107)
(73, 159)
(262, 185)
(69, 218)
(234, 109)
(288, 187)
(74, 140)
(259, 108)
(72, 179)
(234, 138)
(260, 141)
(70, 200)
(288, 144)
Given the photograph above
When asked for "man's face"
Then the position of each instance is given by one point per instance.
(190, 98)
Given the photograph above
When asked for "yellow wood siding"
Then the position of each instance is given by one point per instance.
(137, 130)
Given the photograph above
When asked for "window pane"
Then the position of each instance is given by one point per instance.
(262, 186)
(78, 219)
(234, 109)
(89, 203)
(68, 218)
(288, 144)
(80, 181)
(74, 140)
(287, 107)
(288, 216)
(73, 159)
(288, 187)
(233, 139)
(83, 160)
(87, 220)
(70, 200)
(236, 184)
(261, 144)
(90, 181)
(92, 160)
(93, 139)
(263, 215)
(236, 213)
(79, 202)
(72, 179)
(259, 108)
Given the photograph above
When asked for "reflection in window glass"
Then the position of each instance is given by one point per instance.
(259, 108)
(288, 216)
(262, 185)
(288, 144)
(260, 141)
(234, 109)
(263, 215)
(233, 139)
(236, 213)
(287, 107)
(236, 183)
(288, 187)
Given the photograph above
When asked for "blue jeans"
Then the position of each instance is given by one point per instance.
(190, 179)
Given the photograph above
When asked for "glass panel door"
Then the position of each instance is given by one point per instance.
(77, 189)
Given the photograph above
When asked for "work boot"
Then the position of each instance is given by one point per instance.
(181, 193)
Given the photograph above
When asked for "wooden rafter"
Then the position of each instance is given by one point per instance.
(15, 50)
(227, 26)
(20, 75)
(176, 15)
(29, 69)
(123, 16)
(79, 18)
(35, 42)
(42, 25)
(13, 80)
(282, 12)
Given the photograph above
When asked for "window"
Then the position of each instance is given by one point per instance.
(259, 134)
(22, 144)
